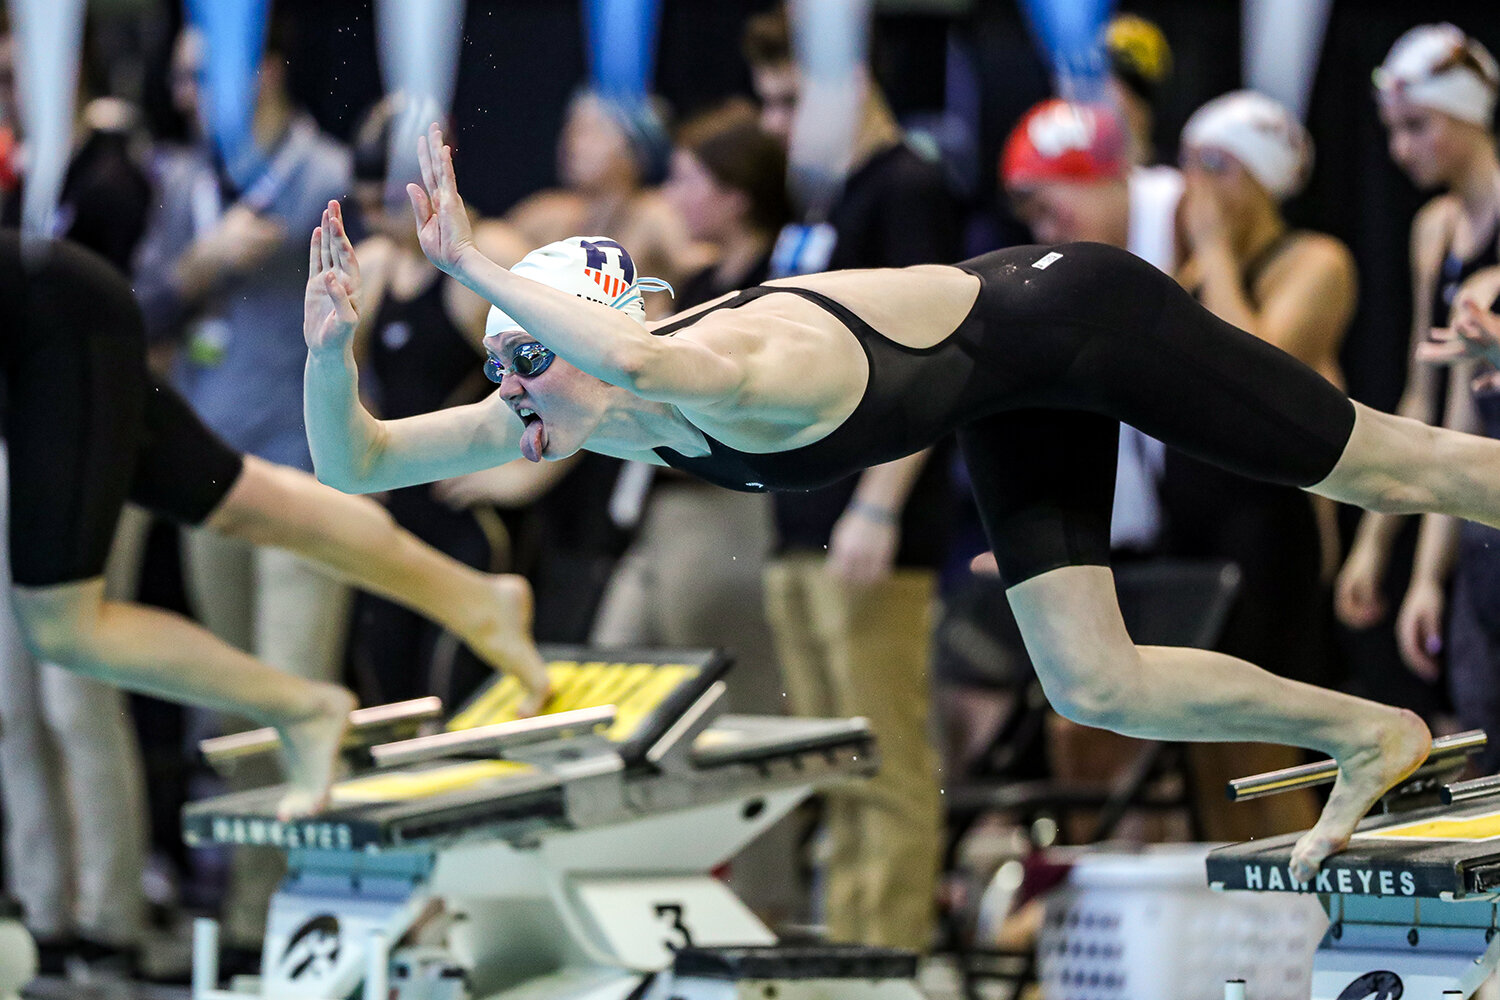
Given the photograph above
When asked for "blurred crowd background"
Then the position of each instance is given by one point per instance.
(835, 603)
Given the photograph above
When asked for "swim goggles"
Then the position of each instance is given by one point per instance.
(528, 360)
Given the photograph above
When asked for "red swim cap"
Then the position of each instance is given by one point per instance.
(1058, 141)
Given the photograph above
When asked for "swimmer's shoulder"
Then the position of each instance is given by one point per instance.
(1433, 227)
(1318, 252)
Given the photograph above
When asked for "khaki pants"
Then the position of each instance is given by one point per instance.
(692, 577)
(291, 614)
(855, 651)
(73, 786)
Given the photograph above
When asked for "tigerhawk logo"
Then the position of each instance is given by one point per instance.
(1374, 986)
(313, 951)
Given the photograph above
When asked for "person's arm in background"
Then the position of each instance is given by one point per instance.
(1471, 345)
(1358, 599)
(169, 229)
(1419, 623)
(241, 241)
(1306, 310)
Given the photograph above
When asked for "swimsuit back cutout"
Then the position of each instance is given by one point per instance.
(891, 420)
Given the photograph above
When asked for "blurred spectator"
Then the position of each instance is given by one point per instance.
(419, 337)
(609, 158)
(692, 574)
(223, 269)
(1437, 91)
(1244, 154)
(727, 181)
(74, 793)
(1067, 171)
(695, 564)
(850, 593)
(70, 768)
(1140, 61)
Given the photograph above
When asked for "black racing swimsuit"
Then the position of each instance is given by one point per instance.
(1062, 344)
(85, 424)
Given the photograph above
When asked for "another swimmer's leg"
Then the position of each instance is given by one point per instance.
(1094, 674)
(357, 539)
(1395, 465)
(163, 654)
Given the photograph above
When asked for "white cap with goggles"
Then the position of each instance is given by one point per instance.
(1437, 66)
(1261, 133)
(591, 267)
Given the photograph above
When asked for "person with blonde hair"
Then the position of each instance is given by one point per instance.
(1437, 92)
(1243, 154)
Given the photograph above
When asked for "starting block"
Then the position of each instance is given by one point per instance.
(1413, 902)
(562, 856)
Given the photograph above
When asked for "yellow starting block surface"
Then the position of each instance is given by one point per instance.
(640, 690)
(408, 786)
(1462, 829)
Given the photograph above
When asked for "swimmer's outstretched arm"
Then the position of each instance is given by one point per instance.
(352, 451)
(601, 341)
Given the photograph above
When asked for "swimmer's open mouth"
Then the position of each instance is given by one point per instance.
(533, 434)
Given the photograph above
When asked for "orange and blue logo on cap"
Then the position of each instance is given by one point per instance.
(611, 284)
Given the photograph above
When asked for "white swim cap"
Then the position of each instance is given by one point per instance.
(1440, 67)
(1259, 132)
(591, 267)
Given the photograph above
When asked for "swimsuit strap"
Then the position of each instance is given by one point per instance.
(840, 312)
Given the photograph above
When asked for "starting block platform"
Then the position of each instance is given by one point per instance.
(1441, 852)
(1413, 902)
(561, 856)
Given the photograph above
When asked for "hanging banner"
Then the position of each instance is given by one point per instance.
(1283, 43)
(830, 40)
(419, 42)
(1071, 36)
(621, 37)
(234, 35)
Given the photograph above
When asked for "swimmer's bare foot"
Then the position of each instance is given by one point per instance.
(1364, 776)
(310, 751)
(502, 637)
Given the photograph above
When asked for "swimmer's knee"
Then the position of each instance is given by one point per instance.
(61, 632)
(1390, 465)
(1097, 692)
(285, 507)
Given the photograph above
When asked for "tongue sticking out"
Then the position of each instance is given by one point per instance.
(534, 440)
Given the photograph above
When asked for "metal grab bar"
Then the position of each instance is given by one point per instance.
(1322, 772)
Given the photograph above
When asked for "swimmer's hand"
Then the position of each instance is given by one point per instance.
(329, 312)
(984, 563)
(442, 223)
